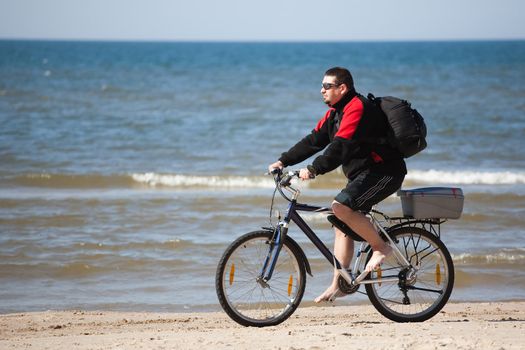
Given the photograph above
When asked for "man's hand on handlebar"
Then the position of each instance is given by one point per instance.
(276, 165)
(305, 174)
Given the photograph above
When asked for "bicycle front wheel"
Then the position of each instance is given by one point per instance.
(421, 290)
(244, 296)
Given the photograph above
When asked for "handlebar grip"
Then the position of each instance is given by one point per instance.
(276, 171)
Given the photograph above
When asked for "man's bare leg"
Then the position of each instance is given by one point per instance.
(362, 226)
(343, 251)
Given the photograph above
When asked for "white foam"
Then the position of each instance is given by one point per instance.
(514, 255)
(467, 177)
(177, 180)
(430, 177)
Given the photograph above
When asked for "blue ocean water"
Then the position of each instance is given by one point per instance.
(127, 167)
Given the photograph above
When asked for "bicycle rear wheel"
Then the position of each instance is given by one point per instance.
(244, 296)
(422, 290)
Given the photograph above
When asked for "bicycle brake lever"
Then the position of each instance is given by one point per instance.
(286, 181)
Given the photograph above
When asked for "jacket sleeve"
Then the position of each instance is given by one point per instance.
(344, 144)
(316, 141)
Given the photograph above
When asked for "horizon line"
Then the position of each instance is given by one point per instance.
(262, 41)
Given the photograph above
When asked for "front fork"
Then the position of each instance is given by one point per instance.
(276, 245)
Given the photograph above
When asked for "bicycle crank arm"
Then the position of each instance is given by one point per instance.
(360, 278)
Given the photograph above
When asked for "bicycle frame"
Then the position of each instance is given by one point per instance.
(292, 214)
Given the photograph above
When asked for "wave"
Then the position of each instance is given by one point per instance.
(92, 266)
(503, 256)
(88, 181)
(466, 177)
(329, 181)
(153, 179)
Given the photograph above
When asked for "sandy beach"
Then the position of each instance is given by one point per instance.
(457, 326)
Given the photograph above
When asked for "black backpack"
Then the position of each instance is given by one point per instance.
(407, 127)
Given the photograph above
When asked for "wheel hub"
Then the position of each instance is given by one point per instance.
(262, 282)
(407, 277)
(411, 277)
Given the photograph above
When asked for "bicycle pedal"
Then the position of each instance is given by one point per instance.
(337, 294)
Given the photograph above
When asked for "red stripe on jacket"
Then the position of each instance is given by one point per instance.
(352, 114)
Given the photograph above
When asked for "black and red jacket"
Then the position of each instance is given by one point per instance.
(348, 131)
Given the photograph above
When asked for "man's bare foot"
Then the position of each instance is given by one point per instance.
(378, 256)
(329, 295)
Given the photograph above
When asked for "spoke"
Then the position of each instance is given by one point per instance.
(392, 301)
(439, 291)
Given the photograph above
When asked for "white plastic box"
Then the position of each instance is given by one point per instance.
(432, 202)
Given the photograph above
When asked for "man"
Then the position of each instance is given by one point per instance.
(348, 133)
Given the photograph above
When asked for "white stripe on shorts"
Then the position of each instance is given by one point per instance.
(372, 191)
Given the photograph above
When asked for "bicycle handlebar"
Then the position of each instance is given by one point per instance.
(283, 179)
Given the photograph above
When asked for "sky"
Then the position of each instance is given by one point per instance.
(263, 20)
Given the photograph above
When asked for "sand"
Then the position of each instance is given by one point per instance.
(457, 326)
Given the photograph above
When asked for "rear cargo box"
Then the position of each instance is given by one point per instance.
(432, 202)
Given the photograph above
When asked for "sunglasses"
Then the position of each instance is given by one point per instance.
(328, 86)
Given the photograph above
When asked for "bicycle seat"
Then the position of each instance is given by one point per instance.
(344, 228)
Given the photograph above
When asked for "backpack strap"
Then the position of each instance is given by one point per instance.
(371, 99)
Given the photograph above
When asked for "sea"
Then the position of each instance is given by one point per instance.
(127, 168)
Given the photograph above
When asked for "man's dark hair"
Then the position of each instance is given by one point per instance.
(342, 76)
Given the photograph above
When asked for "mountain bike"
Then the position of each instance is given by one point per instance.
(261, 277)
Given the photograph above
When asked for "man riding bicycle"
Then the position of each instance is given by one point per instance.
(348, 133)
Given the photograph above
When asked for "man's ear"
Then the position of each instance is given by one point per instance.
(344, 88)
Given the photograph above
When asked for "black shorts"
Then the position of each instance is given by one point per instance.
(368, 189)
